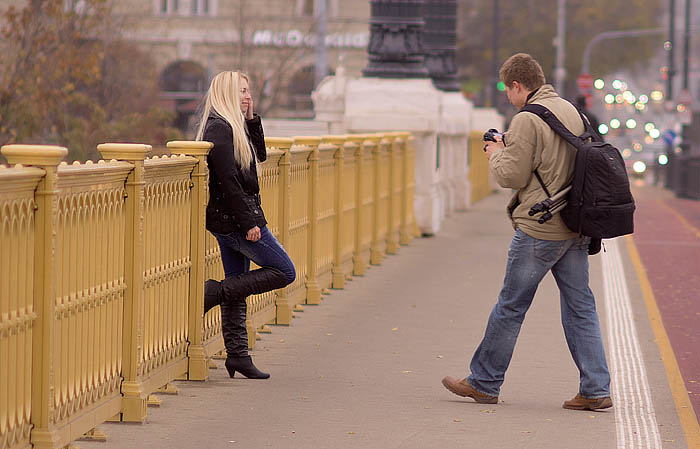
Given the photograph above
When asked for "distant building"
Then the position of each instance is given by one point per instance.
(271, 40)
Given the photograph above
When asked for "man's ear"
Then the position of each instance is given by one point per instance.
(516, 86)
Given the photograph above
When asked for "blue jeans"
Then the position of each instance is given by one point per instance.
(529, 259)
(237, 252)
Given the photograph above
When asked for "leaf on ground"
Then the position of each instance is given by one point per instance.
(439, 356)
(525, 431)
(395, 329)
(591, 416)
(351, 433)
(281, 340)
(407, 371)
(457, 420)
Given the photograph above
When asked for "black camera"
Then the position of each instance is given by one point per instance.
(491, 134)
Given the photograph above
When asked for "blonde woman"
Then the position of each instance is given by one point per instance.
(235, 216)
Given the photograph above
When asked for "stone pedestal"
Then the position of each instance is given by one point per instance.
(329, 101)
(453, 132)
(381, 104)
(440, 122)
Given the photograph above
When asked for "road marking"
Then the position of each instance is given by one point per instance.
(634, 412)
(684, 408)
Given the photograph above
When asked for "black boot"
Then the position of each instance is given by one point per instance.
(212, 294)
(244, 365)
(253, 283)
(233, 329)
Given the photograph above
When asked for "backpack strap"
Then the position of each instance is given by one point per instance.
(557, 126)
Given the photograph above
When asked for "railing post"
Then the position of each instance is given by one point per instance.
(359, 266)
(284, 309)
(338, 276)
(43, 414)
(376, 254)
(406, 199)
(313, 289)
(198, 368)
(133, 399)
(392, 244)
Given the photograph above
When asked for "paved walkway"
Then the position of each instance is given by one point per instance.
(363, 369)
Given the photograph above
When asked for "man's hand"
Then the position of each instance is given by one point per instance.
(491, 147)
(253, 234)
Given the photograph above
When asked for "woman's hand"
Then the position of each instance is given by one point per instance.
(253, 234)
(248, 112)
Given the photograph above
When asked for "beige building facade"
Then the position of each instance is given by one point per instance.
(189, 41)
(272, 40)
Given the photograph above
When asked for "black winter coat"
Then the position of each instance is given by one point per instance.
(234, 194)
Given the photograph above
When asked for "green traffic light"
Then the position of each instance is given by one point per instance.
(501, 86)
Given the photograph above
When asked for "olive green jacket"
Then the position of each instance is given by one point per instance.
(531, 144)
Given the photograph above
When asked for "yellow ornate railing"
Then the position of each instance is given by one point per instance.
(17, 314)
(479, 181)
(102, 266)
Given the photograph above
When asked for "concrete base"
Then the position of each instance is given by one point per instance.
(378, 104)
(455, 111)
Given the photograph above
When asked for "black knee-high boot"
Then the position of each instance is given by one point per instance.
(231, 294)
(212, 294)
(233, 329)
(249, 283)
(252, 283)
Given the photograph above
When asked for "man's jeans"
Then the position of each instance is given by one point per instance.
(237, 252)
(529, 259)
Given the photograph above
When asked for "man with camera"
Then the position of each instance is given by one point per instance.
(530, 146)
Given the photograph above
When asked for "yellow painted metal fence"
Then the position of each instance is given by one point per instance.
(479, 182)
(102, 266)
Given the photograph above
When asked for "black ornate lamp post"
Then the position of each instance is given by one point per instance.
(440, 43)
(395, 46)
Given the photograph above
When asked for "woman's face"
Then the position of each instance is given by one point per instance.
(245, 95)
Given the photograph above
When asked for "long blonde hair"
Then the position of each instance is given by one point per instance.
(224, 98)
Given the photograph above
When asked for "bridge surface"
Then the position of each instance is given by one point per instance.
(363, 369)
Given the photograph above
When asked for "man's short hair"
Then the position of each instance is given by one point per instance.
(522, 68)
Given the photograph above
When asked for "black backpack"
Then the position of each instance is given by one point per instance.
(600, 204)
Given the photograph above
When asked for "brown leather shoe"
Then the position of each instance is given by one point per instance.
(462, 388)
(581, 403)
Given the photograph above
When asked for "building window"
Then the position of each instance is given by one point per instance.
(167, 7)
(200, 7)
(299, 92)
(308, 8)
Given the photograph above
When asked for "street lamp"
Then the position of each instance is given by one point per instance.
(440, 43)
